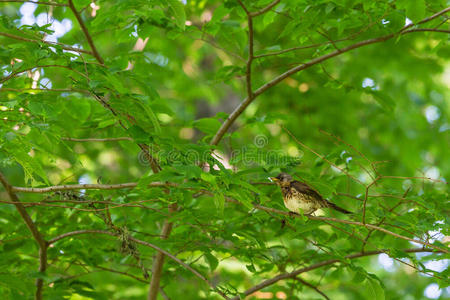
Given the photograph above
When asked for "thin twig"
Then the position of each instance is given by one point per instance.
(382, 220)
(122, 273)
(14, 74)
(384, 251)
(65, 47)
(321, 156)
(86, 32)
(427, 30)
(97, 139)
(265, 9)
(45, 90)
(366, 194)
(35, 2)
(312, 286)
(414, 177)
(352, 147)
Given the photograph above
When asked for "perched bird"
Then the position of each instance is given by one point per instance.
(298, 195)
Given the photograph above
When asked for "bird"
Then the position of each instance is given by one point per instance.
(298, 195)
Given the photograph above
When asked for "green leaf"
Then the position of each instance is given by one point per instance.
(219, 201)
(78, 108)
(13, 246)
(209, 178)
(251, 268)
(228, 72)
(220, 12)
(383, 99)
(144, 104)
(177, 9)
(415, 9)
(330, 7)
(374, 289)
(207, 125)
(106, 123)
(138, 134)
(30, 166)
(212, 261)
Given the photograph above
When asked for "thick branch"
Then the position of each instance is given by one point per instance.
(238, 111)
(295, 273)
(86, 32)
(42, 244)
(158, 261)
(25, 216)
(86, 187)
(248, 72)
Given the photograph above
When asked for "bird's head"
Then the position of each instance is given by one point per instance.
(283, 179)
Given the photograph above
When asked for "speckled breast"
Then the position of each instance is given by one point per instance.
(294, 201)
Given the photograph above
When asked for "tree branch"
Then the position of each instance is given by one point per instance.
(13, 74)
(239, 109)
(295, 273)
(384, 218)
(65, 47)
(248, 72)
(158, 261)
(265, 9)
(46, 90)
(35, 2)
(42, 244)
(97, 139)
(122, 273)
(427, 30)
(312, 286)
(366, 195)
(86, 187)
(86, 32)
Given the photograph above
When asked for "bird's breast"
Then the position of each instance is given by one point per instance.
(296, 201)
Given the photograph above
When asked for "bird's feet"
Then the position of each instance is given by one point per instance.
(292, 214)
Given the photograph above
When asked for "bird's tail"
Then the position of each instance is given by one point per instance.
(334, 206)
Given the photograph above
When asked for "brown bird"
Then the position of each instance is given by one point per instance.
(298, 195)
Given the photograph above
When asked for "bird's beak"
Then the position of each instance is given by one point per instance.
(273, 179)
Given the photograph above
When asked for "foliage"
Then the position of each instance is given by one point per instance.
(152, 126)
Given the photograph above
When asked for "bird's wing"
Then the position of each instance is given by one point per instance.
(306, 189)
